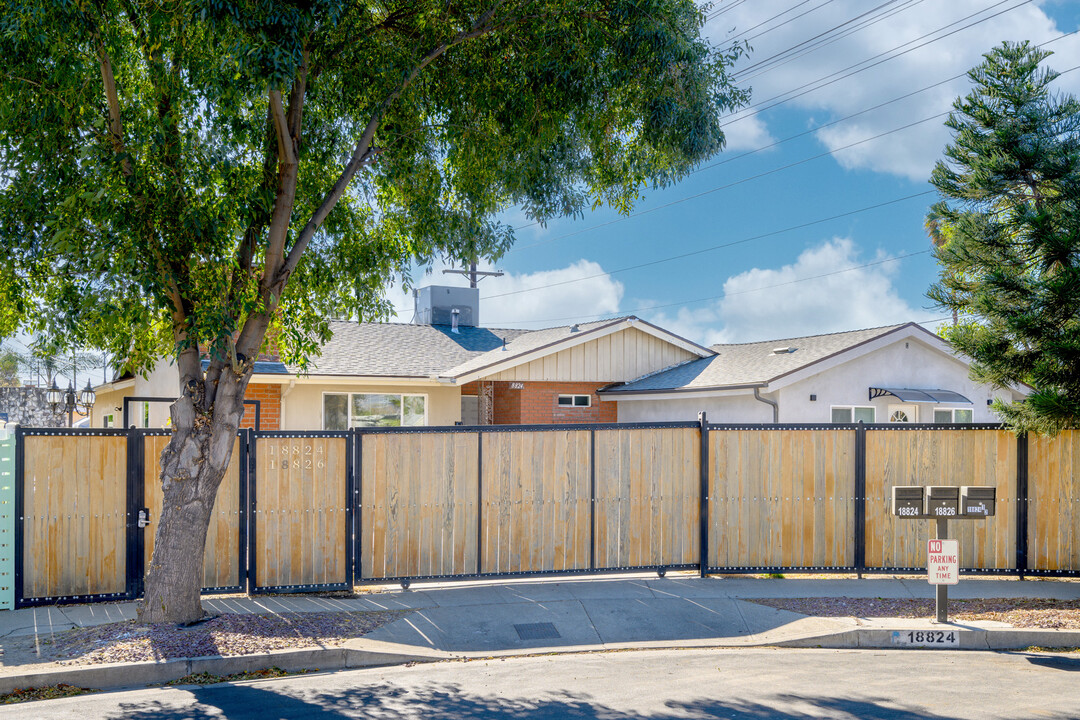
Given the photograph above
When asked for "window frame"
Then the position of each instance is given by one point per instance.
(952, 415)
(349, 405)
(852, 408)
(573, 400)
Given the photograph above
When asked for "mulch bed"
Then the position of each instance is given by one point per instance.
(1018, 612)
(227, 634)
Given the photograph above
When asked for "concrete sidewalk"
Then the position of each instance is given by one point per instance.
(482, 619)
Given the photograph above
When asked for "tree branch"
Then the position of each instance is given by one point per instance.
(285, 147)
(363, 153)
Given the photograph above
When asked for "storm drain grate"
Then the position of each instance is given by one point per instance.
(537, 631)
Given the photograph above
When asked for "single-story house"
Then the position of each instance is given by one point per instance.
(446, 369)
(898, 373)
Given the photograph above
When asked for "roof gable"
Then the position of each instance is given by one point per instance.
(542, 344)
(760, 364)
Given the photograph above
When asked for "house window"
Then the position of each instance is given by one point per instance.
(852, 413)
(575, 400)
(904, 413)
(948, 416)
(108, 421)
(342, 411)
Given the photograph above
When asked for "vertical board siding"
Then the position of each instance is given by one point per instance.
(535, 498)
(781, 498)
(418, 505)
(1054, 502)
(221, 556)
(647, 488)
(940, 457)
(74, 515)
(300, 511)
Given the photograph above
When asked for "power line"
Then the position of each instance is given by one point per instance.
(757, 108)
(779, 14)
(823, 39)
(734, 183)
(897, 258)
(721, 246)
(780, 142)
(868, 18)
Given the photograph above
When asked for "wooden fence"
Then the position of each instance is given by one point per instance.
(308, 511)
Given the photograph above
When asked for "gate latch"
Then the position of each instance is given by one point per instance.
(144, 517)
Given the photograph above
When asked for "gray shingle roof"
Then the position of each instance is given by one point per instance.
(752, 363)
(402, 349)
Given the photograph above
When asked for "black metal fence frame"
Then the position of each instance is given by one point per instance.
(248, 560)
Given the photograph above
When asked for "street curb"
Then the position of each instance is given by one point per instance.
(968, 638)
(361, 653)
(120, 675)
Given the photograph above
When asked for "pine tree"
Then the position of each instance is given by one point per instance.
(1010, 230)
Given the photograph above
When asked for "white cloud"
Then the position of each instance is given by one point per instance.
(912, 152)
(582, 288)
(747, 134)
(767, 303)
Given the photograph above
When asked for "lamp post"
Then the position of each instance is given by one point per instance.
(66, 401)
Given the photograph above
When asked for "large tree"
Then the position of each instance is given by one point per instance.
(1008, 235)
(189, 178)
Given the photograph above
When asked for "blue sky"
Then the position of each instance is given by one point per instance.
(789, 283)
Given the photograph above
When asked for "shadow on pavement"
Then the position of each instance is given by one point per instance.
(448, 701)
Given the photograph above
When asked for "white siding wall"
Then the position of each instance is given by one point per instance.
(732, 409)
(903, 364)
(619, 357)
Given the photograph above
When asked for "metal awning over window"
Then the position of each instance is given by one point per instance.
(917, 396)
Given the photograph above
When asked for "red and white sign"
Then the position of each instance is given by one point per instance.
(943, 562)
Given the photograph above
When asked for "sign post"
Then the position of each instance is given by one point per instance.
(942, 567)
(940, 503)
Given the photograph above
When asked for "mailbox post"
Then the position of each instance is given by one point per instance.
(940, 503)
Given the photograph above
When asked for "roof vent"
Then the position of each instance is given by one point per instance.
(783, 350)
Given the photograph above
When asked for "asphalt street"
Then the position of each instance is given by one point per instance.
(634, 685)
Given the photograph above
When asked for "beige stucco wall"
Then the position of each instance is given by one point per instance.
(302, 404)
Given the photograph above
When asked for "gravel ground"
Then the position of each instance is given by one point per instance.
(227, 634)
(1023, 613)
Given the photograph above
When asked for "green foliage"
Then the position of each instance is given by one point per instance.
(1008, 236)
(146, 225)
(9, 368)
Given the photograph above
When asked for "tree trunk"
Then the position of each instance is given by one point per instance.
(192, 467)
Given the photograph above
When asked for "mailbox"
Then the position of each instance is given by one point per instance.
(977, 500)
(942, 501)
(907, 501)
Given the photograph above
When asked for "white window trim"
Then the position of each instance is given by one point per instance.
(852, 408)
(108, 420)
(348, 405)
(572, 403)
(952, 414)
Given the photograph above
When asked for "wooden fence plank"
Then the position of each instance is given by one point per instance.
(74, 515)
(782, 494)
(939, 457)
(1054, 502)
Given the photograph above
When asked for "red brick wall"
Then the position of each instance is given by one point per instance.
(537, 403)
(269, 397)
